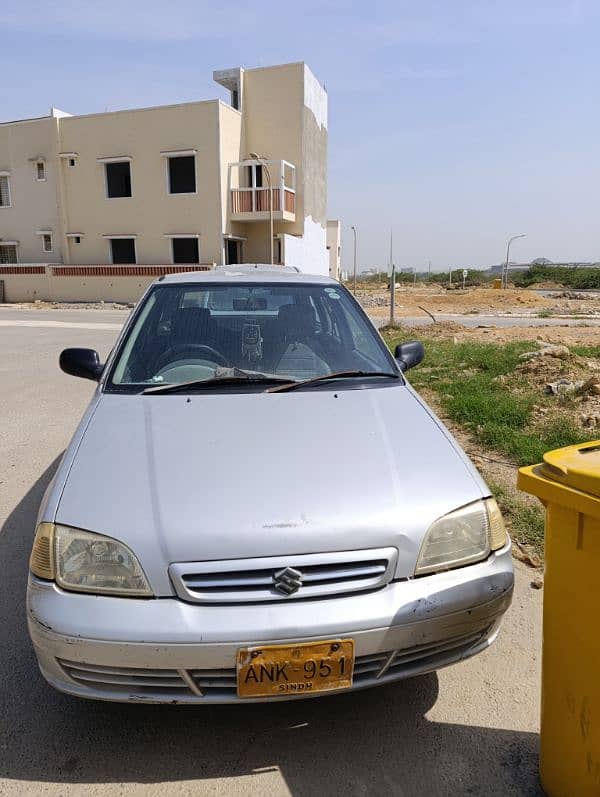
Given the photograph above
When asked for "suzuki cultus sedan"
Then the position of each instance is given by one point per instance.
(256, 505)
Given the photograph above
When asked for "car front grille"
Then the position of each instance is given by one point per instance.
(214, 685)
(284, 577)
(125, 679)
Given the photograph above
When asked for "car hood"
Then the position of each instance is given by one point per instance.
(224, 476)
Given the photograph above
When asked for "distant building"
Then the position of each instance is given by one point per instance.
(498, 269)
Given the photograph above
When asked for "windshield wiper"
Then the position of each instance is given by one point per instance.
(335, 375)
(229, 376)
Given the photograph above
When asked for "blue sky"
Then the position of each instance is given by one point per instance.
(455, 123)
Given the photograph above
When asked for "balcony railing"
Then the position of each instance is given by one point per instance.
(251, 201)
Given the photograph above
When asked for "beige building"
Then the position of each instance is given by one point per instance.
(95, 206)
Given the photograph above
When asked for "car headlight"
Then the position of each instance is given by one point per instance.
(85, 562)
(462, 537)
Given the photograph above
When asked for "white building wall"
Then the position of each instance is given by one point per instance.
(315, 98)
(309, 252)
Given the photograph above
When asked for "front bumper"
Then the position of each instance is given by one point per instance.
(165, 650)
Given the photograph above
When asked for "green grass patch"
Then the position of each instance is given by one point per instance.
(465, 377)
(526, 520)
(586, 351)
(525, 447)
(477, 400)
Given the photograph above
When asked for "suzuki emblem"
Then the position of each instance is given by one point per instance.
(287, 581)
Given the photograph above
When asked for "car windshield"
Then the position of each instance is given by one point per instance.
(195, 332)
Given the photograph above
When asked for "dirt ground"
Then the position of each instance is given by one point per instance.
(43, 305)
(436, 299)
(580, 335)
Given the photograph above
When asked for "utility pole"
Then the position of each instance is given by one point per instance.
(415, 277)
(354, 231)
(392, 281)
(393, 296)
(429, 272)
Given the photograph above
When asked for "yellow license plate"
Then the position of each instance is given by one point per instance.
(305, 668)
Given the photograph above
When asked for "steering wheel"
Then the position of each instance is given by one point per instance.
(193, 349)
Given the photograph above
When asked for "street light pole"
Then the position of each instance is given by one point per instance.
(510, 240)
(354, 231)
(263, 163)
(392, 282)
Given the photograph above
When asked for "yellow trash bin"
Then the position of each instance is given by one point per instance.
(497, 283)
(568, 484)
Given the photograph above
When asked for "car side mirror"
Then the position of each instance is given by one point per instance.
(81, 362)
(409, 354)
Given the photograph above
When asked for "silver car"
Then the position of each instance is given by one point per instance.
(257, 506)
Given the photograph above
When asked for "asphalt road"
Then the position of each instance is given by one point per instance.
(469, 729)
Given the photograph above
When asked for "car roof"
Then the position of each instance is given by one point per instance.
(248, 272)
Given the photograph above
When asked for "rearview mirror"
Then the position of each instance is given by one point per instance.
(409, 354)
(81, 362)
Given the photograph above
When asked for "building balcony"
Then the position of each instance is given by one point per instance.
(259, 187)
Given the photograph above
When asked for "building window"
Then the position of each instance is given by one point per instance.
(118, 179)
(4, 191)
(277, 251)
(40, 171)
(182, 174)
(71, 161)
(185, 250)
(47, 242)
(77, 239)
(122, 250)
(233, 251)
(8, 253)
(254, 175)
